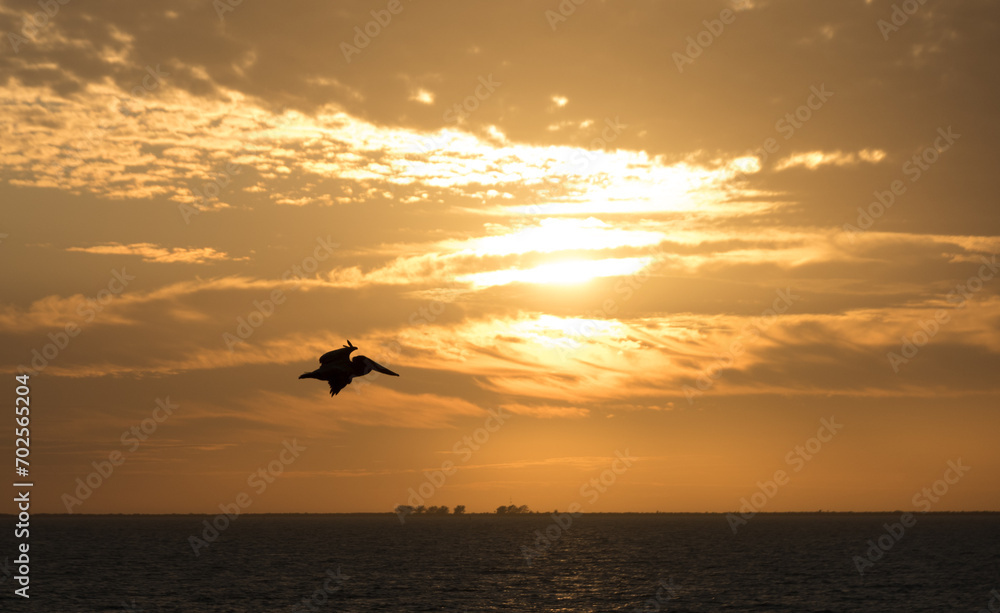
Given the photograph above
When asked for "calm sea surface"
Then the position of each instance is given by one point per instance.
(601, 562)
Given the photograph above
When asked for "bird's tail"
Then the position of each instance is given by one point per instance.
(307, 375)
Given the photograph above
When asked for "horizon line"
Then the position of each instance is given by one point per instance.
(495, 514)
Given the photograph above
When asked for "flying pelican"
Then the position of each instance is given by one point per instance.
(338, 369)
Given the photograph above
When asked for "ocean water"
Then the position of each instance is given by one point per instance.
(599, 562)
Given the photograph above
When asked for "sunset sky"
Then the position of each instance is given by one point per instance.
(684, 231)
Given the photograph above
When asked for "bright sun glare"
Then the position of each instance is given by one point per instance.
(572, 271)
(554, 234)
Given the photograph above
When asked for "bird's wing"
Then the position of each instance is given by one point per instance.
(337, 355)
(338, 381)
(374, 366)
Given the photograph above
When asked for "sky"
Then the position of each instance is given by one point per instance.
(637, 256)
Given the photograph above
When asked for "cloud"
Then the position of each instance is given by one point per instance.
(110, 307)
(364, 403)
(211, 153)
(154, 253)
(815, 159)
(572, 271)
(546, 411)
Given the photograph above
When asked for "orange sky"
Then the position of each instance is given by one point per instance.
(682, 233)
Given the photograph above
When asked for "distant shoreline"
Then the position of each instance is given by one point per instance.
(450, 517)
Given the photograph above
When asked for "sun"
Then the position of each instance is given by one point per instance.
(555, 234)
(560, 273)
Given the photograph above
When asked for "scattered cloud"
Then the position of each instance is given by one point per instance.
(814, 159)
(163, 255)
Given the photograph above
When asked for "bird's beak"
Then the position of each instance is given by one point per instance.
(383, 369)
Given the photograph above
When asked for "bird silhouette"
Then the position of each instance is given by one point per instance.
(338, 369)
